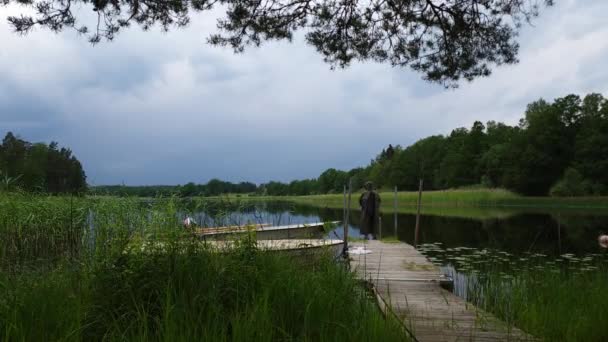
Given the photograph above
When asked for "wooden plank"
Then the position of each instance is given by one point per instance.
(410, 284)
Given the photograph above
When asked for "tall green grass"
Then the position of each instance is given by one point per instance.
(555, 299)
(39, 229)
(69, 275)
(554, 305)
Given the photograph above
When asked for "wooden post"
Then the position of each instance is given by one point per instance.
(379, 227)
(344, 206)
(350, 189)
(418, 214)
(395, 211)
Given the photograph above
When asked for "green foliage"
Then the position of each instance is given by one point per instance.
(528, 158)
(38, 167)
(138, 191)
(332, 181)
(486, 182)
(240, 296)
(8, 183)
(198, 295)
(446, 41)
(214, 187)
(545, 303)
(571, 184)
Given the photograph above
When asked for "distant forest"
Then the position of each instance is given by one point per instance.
(558, 148)
(37, 167)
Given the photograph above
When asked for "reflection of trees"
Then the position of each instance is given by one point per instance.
(580, 231)
(516, 234)
(225, 212)
(536, 232)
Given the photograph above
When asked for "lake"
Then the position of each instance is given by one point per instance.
(515, 230)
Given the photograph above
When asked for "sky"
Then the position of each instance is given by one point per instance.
(166, 108)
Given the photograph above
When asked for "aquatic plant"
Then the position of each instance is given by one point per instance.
(556, 298)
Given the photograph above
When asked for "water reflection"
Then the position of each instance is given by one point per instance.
(475, 271)
(551, 233)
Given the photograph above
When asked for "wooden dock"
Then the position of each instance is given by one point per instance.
(408, 285)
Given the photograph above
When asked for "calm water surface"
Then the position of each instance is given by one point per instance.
(513, 230)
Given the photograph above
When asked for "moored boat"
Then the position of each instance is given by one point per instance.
(291, 247)
(266, 232)
(294, 247)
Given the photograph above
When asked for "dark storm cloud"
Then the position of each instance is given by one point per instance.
(154, 108)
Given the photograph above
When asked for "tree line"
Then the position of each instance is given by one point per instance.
(214, 187)
(37, 167)
(558, 148)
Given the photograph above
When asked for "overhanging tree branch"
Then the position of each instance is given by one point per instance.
(445, 40)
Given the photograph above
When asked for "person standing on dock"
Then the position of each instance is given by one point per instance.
(370, 211)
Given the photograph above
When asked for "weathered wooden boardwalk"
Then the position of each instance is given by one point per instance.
(409, 285)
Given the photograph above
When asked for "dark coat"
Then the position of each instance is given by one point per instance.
(370, 211)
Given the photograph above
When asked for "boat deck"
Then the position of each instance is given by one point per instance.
(408, 285)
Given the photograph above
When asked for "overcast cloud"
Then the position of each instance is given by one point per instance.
(165, 108)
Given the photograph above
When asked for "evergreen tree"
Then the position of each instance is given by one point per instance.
(446, 41)
(38, 167)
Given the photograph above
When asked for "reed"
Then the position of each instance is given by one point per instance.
(67, 274)
(554, 305)
(555, 299)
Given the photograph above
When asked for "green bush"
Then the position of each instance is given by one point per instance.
(571, 184)
(486, 182)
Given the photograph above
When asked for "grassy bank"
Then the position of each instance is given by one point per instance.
(455, 201)
(465, 203)
(65, 274)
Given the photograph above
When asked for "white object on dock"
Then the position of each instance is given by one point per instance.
(359, 250)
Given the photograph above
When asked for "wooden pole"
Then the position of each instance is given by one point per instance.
(344, 206)
(350, 189)
(395, 211)
(418, 214)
